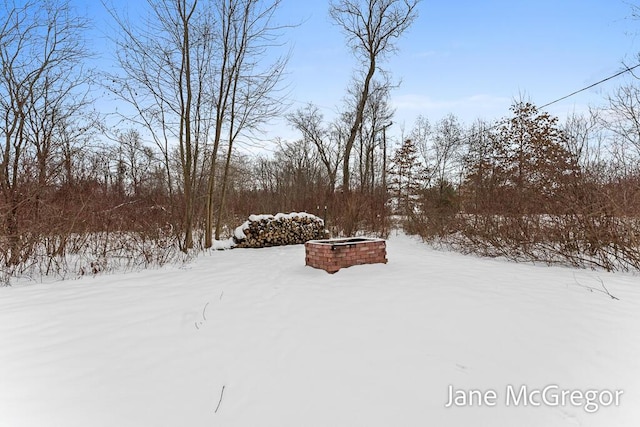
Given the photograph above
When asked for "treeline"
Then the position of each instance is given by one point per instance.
(166, 179)
(160, 169)
(528, 187)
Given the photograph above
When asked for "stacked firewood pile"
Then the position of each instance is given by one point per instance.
(282, 229)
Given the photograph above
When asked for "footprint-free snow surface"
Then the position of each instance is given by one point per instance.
(254, 338)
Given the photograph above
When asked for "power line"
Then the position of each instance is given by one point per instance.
(613, 76)
(626, 70)
(496, 125)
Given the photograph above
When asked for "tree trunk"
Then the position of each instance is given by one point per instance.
(185, 133)
(208, 226)
(223, 192)
(356, 124)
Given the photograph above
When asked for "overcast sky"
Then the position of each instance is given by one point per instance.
(466, 57)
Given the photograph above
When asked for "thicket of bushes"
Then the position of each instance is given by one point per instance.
(524, 188)
(529, 193)
(83, 192)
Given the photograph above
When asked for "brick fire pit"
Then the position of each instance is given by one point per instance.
(333, 254)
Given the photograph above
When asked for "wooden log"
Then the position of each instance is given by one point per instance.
(280, 230)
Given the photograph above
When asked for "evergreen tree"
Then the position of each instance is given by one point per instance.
(407, 177)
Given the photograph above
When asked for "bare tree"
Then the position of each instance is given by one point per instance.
(247, 84)
(477, 165)
(290, 179)
(446, 150)
(135, 158)
(377, 116)
(621, 118)
(371, 28)
(165, 62)
(440, 147)
(74, 135)
(421, 136)
(41, 87)
(309, 122)
(586, 139)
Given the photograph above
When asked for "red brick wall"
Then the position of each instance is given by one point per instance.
(331, 257)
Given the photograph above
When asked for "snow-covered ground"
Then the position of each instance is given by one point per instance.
(254, 338)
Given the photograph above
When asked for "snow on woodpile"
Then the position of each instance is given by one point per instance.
(294, 228)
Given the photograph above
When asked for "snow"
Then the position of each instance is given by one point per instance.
(256, 218)
(239, 231)
(298, 215)
(229, 243)
(255, 338)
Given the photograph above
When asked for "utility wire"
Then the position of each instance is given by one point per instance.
(613, 76)
(626, 70)
(490, 128)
